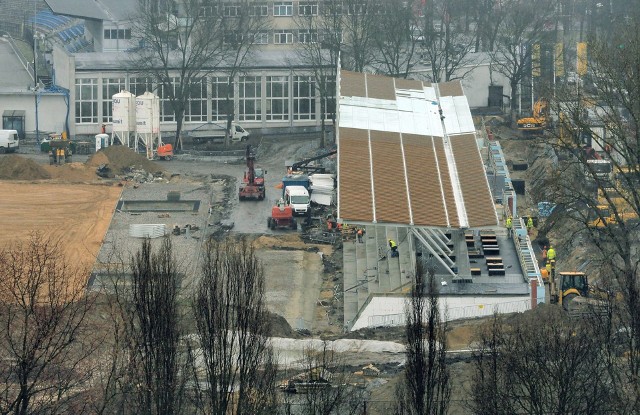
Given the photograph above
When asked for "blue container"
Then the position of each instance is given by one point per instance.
(295, 180)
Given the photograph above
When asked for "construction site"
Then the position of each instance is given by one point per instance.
(412, 177)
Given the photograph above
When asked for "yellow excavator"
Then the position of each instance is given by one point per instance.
(572, 291)
(604, 213)
(59, 149)
(535, 124)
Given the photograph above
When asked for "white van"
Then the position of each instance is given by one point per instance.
(298, 198)
(215, 132)
(9, 141)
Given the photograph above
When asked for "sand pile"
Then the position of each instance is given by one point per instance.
(14, 167)
(121, 160)
(72, 172)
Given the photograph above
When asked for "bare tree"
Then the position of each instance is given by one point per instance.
(598, 119)
(489, 380)
(320, 37)
(243, 25)
(325, 387)
(523, 25)
(184, 41)
(43, 342)
(541, 362)
(233, 329)
(395, 41)
(150, 311)
(426, 388)
(445, 44)
(358, 31)
(180, 40)
(488, 16)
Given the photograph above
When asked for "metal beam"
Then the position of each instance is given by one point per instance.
(435, 255)
(436, 246)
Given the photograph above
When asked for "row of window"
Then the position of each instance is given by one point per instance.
(117, 33)
(286, 8)
(283, 98)
(280, 37)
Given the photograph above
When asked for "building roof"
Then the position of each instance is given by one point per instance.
(407, 154)
(121, 61)
(14, 77)
(109, 10)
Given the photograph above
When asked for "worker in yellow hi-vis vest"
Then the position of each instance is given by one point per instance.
(529, 225)
(551, 254)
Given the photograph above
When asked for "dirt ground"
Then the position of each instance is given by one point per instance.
(77, 214)
(69, 203)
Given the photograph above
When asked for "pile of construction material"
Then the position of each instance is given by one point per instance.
(322, 188)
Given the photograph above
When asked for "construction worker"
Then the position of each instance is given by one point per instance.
(394, 248)
(544, 274)
(509, 225)
(359, 233)
(551, 254)
(549, 268)
(529, 225)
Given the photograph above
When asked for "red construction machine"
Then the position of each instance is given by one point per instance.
(282, 217)
(165, 152)
(252, 186)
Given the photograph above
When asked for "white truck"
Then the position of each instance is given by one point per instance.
(215, 132)
(298, 198)
(9, 141)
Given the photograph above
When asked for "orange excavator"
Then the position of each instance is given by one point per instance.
(252, 186)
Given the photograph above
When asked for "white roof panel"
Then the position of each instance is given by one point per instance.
(463, 113)
(450, 116)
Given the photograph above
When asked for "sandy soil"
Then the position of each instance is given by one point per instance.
(77, 214)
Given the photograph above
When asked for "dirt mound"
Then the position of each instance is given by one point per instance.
(14, 167)
(72, 173)
(122, 159)
(280, 327)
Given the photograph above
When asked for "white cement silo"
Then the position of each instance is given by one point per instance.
(148, 122)
(123, 105)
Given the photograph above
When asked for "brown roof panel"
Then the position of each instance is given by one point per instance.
(473, 182)
(426, 198)
(390, 188)
(380, 87)
(354, 178)
(408, 84)
(450, 89)
(352, 84)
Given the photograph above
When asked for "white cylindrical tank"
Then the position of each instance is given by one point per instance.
(147, 113)
(123, 105)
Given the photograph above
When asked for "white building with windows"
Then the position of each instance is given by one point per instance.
(269, 93)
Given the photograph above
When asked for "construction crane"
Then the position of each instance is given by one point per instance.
(303, 165)
(252, 186)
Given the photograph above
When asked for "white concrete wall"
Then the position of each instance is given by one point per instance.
(476, 78)
(476, 85)
(389, 311)
(65, 68)
(51, 111)
(93, 32)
